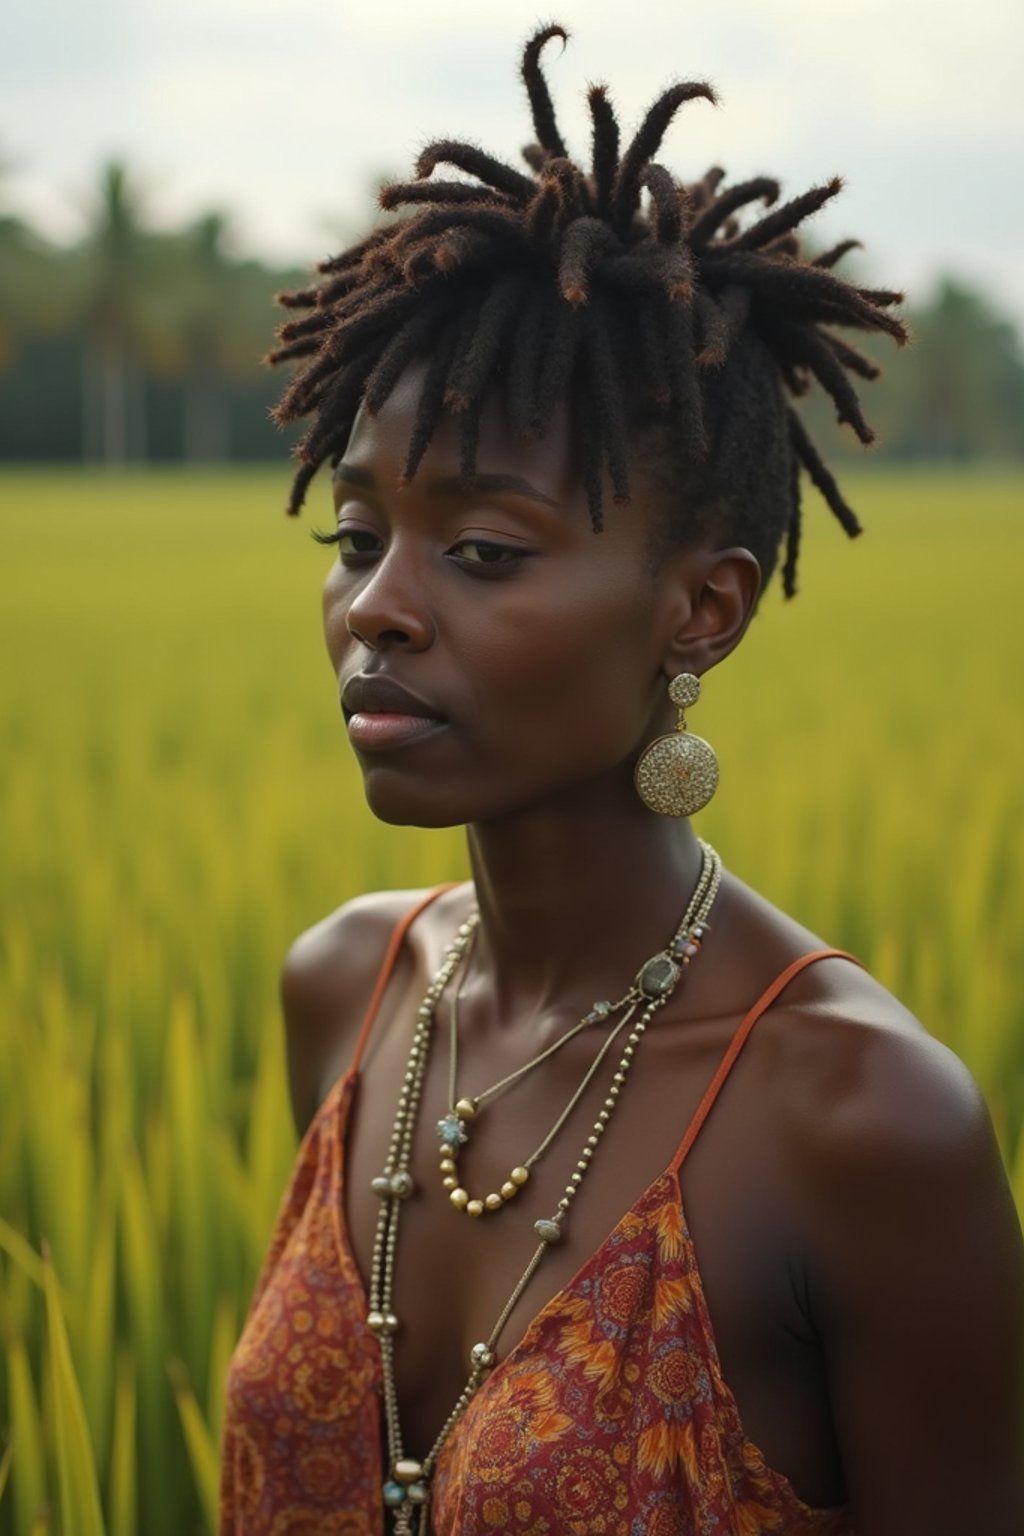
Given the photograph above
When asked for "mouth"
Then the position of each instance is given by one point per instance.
(376, 732)
(380, 713)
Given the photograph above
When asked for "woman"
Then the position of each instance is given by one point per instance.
(482, 1307)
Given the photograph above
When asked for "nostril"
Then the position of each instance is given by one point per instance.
(374, 639)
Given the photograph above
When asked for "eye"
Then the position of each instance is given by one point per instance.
(354, 544)
(485, 553)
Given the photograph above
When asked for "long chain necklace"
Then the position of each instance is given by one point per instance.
(407, 1490)
(453, 1129)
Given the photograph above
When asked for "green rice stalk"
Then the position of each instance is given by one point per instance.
(29, 1480)
(272, 1145)
(22, 1252)
(5, 1467)
(225, 1337)
(76, 1470)
(202, 1448)
(248, 1203)
(96, 1348)
(122, 1486)
(145, 1305)
(60, 1128)
(193, 1245)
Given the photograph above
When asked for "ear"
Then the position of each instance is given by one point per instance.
(715, 595)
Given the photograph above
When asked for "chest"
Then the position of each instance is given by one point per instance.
(454, 1275)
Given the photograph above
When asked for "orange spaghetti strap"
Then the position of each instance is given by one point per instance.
(739, 1039)
(395, 942)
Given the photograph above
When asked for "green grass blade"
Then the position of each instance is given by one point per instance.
(81, 1514)
(123, 1483)
(21, 1251)
(272, 1145)
(5, 1467)
(144, 1295)
(202, 1449)
(97, 1345)
(28, 1480)
(28, 1261)
(193, 1242)
(225, 1336)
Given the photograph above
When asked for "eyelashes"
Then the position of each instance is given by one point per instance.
(489, 554)
(357, 547)
(338, 535)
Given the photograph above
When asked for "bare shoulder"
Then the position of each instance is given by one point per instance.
(842, 1062)
(871, 1083)
(914, 1256)
(327, 980)
(892, 1146)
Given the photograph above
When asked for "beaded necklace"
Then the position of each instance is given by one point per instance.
(407, 1489)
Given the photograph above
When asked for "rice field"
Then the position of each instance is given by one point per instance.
(177, 801)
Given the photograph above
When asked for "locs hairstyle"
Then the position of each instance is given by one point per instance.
(659, 318)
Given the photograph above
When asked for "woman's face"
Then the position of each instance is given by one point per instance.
(537, 646)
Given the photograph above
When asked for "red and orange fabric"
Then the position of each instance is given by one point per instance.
(609, 1418)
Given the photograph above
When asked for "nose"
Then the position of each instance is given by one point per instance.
(391, 609)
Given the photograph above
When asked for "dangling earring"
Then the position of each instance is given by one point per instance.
(677, 775)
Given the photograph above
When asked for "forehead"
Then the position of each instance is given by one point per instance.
(549, 463)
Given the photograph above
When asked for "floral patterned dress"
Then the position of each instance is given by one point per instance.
(610, 1417)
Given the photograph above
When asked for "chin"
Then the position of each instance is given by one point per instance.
(410, 805)
(428, 820)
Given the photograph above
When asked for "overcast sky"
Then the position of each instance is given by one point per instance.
(285, 112)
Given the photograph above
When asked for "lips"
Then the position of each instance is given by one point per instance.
(365, 695)
(381, 714)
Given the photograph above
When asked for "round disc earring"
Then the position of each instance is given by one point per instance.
(677, 774)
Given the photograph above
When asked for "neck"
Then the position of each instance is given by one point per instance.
(574, 896)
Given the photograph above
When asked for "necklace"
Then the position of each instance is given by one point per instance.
(407, 1490)
(453, 1129)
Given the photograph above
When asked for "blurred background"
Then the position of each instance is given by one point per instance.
(177, 800)
(164, 169)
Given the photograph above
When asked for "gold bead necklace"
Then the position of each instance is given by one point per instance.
(407, 1490)
(453, 1129)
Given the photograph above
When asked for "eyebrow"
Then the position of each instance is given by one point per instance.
(455, 485)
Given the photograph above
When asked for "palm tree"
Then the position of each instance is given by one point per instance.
(210, 333)
(115, 322)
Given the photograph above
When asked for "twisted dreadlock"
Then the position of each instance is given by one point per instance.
(669, 327)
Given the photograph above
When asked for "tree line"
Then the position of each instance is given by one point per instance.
(140, 344)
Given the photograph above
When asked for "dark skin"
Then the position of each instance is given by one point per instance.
(858, 1246)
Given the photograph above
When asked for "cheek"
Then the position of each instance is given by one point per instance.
(575, 669)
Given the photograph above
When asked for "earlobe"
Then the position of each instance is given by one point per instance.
(721, 597)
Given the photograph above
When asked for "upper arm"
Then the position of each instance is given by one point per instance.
(325, 986)
(917, 1284)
